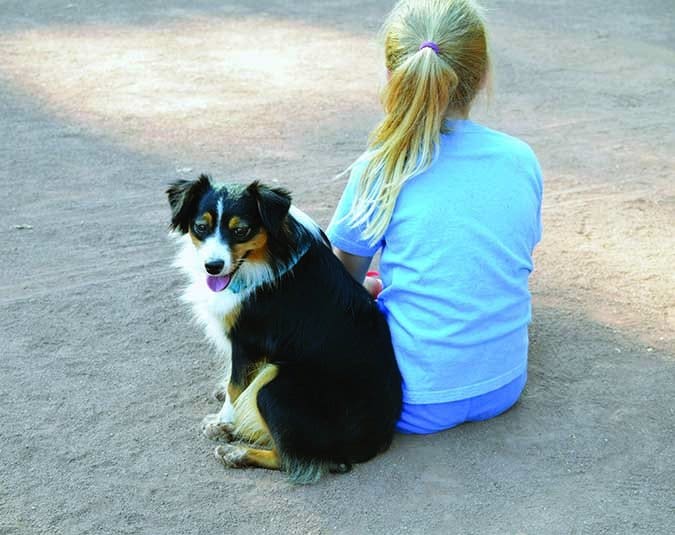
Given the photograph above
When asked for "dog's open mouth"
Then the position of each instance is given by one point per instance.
(217, 283)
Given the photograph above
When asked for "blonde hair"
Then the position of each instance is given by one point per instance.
(423, 86)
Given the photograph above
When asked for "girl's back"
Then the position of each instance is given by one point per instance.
(455, 261)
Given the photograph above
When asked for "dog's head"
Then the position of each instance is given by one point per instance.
(232, 227)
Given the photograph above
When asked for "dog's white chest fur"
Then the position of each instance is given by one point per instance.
(210, 308)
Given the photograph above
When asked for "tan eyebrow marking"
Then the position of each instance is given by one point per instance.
(208, 218)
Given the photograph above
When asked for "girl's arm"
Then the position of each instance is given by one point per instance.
(357, 266)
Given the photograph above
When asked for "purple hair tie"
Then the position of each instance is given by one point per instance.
(430, 44)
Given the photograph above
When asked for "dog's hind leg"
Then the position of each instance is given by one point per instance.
(239, 456)
(239, 417)
(249, 425)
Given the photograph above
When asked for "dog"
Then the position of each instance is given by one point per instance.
(313, 383)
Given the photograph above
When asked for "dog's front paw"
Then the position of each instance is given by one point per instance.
(214, 429)
(230, 455)
(220, 392)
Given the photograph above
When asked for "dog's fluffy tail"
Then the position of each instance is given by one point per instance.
(308, 472)
(305, 472)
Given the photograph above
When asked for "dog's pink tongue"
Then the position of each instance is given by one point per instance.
(217, 283)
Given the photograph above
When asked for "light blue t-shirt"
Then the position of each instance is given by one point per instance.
(455, 261)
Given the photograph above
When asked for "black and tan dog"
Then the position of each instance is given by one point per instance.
(314, 384)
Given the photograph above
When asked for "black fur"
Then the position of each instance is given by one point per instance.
(184, 195)
(338, 394)
(273, 205)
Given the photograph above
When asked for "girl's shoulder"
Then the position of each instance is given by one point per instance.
(477, 133)
(473, 136)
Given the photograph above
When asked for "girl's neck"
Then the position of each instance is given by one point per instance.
(454, 114)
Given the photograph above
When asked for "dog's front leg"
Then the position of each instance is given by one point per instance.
(220, 426)
(220, 392)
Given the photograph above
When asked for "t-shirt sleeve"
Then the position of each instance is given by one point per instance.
(341, 232)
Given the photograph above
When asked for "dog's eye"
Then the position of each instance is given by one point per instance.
(201, 227)
(241, 233)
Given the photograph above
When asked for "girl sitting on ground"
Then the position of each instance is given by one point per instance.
(454, 208)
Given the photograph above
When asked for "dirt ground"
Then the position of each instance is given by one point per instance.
(103, 379)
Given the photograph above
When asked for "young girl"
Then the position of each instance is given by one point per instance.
(454, 208)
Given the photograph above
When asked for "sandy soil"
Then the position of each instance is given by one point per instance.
(103, 380)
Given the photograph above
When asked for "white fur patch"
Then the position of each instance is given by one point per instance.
(213, 249)
(226, 414)
(306, 221)
(209, 308)
(251, 275)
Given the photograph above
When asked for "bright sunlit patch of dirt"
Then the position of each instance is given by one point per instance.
(209, 81)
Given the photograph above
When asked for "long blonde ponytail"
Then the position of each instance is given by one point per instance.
(424, 84)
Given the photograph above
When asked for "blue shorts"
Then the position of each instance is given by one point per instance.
(434, 417)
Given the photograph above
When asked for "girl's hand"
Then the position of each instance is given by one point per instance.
(373, 283)
(358, 268)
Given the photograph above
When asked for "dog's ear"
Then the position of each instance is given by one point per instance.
(183, 198)
(273, 205)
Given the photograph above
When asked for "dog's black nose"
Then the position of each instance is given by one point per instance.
(214, 266)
